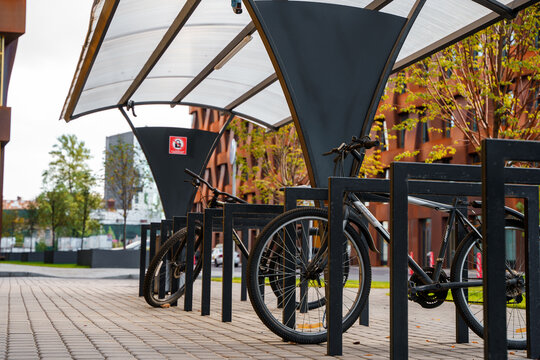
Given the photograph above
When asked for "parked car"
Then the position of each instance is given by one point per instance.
(136, 245)
(217, 256)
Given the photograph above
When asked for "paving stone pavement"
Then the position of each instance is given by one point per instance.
(58, 318)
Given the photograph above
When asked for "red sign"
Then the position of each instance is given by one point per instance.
(177, 145)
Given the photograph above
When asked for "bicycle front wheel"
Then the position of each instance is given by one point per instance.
(164, 282)
(288, 275)
(467, 267)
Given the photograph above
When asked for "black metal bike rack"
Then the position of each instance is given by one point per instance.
(401, 186)
(178, 223)
(418, 178)
(142, 261)
(192, 219)
(494, 155)
(165, 232)
(240, 216)
(212, 221)
(154, 229)
(292, 196)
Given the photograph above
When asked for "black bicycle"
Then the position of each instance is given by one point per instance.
(164, 282)
(291, 255)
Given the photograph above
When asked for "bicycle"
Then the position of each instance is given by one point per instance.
(164, 282)
(307, 229)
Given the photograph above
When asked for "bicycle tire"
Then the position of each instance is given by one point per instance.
(172, 254)
(309, 326)
(465, 267)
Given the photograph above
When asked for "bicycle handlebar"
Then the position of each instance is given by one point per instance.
(365, 143)
(216, 191)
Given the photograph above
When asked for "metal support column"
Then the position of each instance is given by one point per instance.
(193, 221)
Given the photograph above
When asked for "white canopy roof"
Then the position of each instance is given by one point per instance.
(198, 52)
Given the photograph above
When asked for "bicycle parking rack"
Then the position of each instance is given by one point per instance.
(418, 179)
(179, 222)
(211, 223)
(292, 195)
(494, 155)
(165, 232)
(192, 219)
(154, 229)
(142, 261)
(245, 216)
(398, 279)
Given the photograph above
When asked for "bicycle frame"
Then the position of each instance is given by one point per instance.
(215, 203)
(432, 282)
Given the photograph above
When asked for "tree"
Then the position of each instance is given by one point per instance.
(486, 85)
(124, 176)
(69, 167)
(86, 202)
(13, 224)
(269, 160)
(68, 164)
(32, 220)
(54, 207)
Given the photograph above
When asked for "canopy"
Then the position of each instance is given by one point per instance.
(198, 52)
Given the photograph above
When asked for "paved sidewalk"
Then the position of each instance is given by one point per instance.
(11, 270)
(55, 318)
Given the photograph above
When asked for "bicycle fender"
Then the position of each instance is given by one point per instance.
(355, 219)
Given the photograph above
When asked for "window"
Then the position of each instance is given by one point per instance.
(448, 125)
(475, 158)
(474, 123)
(424, 131)
(2, 70)
(382, 133)
(401, 133)
(425, 241)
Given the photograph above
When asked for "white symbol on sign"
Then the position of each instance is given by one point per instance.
(178, 144)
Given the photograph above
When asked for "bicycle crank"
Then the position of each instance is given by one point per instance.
(428, 299)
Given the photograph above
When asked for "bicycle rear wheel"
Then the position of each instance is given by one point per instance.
(288, 275)
(164, 282)
(467, 266)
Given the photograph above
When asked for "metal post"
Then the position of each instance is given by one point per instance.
(178, 223)
(226, 282)
(532, 264)
(493, 252)
(245, 241)
(398, 262)
(142, 260)
(462, 330)
(210, 216)
(192, 220)
(334, 293)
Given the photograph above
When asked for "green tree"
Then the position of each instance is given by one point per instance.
(32, 220)
(486, 85)
(55, 206)
(86, 202)
(69, 167)
(13, 224)
(124, 176)
(269, 160)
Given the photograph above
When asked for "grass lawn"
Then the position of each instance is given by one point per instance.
(45, 265)
(349, 284)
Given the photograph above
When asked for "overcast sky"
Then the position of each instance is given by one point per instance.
(46, 58)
